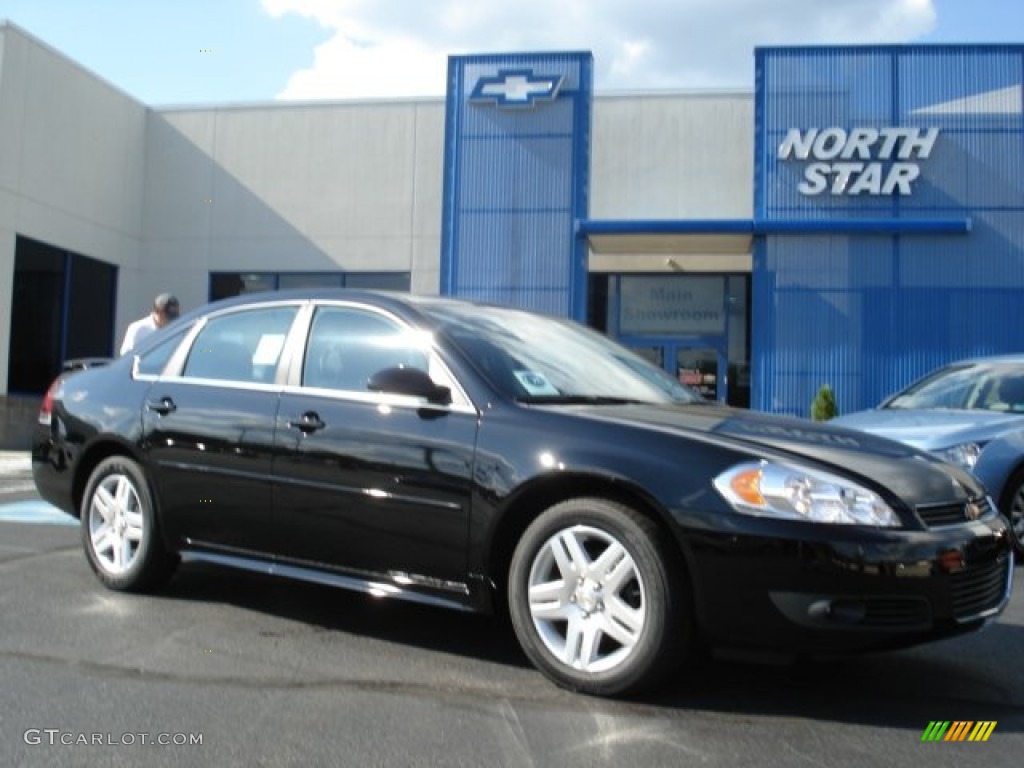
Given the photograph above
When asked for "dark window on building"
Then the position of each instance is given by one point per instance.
(90, 308)
(378, 281)
(288, 280)
(36, 322)
(597, 302)
(62, 308)
(224, 285)
(738, 305)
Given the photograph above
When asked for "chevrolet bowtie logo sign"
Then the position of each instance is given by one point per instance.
(516, 88)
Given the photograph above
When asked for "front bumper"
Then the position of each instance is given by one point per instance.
(811, 588)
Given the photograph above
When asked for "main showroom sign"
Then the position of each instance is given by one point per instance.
(859, 161)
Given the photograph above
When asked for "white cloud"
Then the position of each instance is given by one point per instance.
(391, 48)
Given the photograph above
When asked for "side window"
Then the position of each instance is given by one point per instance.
(347, 346)
(155, 360)
(243, 346)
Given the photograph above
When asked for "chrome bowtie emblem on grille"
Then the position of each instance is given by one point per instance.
(516, 88)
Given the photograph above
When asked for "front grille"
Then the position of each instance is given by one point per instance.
(980, 588)
(936, 515)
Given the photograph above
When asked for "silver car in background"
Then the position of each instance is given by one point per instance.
(971, 413)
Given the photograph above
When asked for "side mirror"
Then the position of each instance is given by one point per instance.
(409, 381)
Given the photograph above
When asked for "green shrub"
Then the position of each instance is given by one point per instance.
(824, 406)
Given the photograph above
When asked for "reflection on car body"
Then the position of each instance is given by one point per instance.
(482, 459)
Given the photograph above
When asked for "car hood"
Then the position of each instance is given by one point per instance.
(915, 476)
(932, 429)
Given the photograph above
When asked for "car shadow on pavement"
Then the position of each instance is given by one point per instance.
(970, 678)
(973, 677)
(397, 621)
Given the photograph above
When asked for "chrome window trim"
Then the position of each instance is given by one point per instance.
(294, 343)
(288, 376)
(255, 386)
(186, 342)
(380, 399)
(176, 364)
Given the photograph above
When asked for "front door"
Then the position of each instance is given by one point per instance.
(369, 482)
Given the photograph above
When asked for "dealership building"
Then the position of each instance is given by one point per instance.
(855, 219)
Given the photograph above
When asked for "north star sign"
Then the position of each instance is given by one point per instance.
(861, 161)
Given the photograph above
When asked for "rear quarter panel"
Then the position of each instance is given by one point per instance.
(97, 412)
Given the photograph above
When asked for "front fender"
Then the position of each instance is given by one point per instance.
(999, 460)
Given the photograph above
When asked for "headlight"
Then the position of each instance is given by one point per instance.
(799, 493)
(964, 455)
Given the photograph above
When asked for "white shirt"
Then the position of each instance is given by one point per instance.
(136, 332)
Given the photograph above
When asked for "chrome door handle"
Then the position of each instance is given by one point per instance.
(308, 422)
(163, 406)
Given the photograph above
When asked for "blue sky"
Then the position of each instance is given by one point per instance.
(209, 51)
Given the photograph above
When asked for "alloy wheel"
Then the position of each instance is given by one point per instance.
(587, 599)
(116, 524)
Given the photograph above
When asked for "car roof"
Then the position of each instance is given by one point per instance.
(399, 302)
(380, 298)
(1014, 359)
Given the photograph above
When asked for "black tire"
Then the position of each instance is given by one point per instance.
(120, 529)
(626, 625)
(1012, 506)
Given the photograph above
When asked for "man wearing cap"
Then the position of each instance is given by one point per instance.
(165, 309)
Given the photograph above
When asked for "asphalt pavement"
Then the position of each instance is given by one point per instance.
(268, 672)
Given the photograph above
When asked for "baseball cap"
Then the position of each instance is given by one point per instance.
(167, 303)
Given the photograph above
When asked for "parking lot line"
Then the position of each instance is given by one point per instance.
(34, 511)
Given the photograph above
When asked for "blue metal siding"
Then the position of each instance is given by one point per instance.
(868, 313)
(516, 181)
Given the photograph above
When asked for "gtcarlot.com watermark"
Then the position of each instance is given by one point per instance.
(54, 736)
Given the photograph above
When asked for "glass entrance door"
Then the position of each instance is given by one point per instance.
(702, 368)
(695, 326)
(699, 364)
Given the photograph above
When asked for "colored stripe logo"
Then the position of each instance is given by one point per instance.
(958, 730)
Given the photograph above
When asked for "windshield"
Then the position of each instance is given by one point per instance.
(540, 359)
(984, 387)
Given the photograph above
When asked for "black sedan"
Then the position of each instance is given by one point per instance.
(488, 459)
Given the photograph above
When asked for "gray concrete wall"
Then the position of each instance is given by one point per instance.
(353, 187)
(673, 156)
(71, 163)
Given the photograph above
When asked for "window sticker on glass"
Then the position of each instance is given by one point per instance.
(535, 384)
(269, 349)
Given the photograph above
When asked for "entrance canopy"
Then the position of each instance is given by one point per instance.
(722, 245)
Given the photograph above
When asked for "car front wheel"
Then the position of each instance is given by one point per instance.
(597, 600)
(119, 528)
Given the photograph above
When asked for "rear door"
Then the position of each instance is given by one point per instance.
(367, 481)
(209, 430)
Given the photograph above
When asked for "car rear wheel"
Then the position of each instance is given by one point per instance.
(120, 532)
(1013, 508)
(596, 598)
